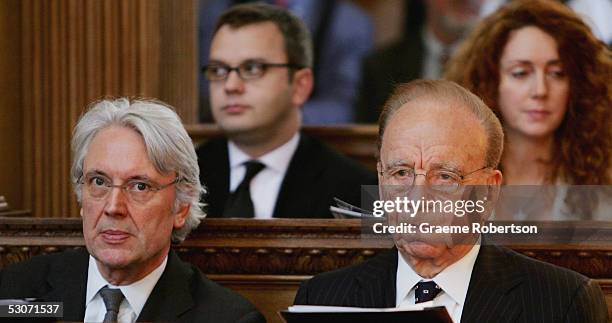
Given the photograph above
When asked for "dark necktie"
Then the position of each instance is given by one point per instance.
(239, 204)
(426, 291)
(112, 298)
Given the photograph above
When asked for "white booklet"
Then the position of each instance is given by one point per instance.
(344, 210)
(421, 313)
(343, 309)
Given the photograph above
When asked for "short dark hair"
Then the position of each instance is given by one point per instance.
(447, 91)
(298, 44)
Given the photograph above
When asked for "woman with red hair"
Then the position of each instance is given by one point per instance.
(548, 79)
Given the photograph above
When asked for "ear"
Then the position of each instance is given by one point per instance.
(303, 82)
(494, 186)
(495, 178)
(181, 215)
(81, 211)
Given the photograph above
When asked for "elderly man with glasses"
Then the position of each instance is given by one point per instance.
(440, 143)
(136, 178)
(260, 76)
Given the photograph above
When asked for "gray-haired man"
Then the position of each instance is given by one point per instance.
(438, 141)
(136, 177)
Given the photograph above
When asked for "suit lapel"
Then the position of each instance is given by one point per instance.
(376, 282)
(490, 296)
(68, 282)
(171, 296)
(299, 178)
(215, 173)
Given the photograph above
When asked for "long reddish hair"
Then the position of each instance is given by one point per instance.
(583, 142)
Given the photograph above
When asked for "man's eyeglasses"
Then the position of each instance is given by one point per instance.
(137, 190)
(249, 70)
(441, 180)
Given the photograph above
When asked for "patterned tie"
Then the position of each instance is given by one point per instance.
(112, 298)
(239, 204)
(426, 291)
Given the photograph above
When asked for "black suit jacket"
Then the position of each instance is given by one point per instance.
(505, 287)
(382, 70)
(182, 294)
(316, 174)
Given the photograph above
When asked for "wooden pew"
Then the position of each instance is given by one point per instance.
(355, 141)
(266, 260)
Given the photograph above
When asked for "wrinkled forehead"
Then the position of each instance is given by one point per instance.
(434, 130)
(119, 151)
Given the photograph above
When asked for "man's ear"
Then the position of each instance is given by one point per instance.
(493, 190)
(181, 215)
(303, 83)
(495, 178)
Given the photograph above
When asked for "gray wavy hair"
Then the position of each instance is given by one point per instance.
(168, 145)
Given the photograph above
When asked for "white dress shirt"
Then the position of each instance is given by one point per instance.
(266, 185)
(136, 294)
(454, 281)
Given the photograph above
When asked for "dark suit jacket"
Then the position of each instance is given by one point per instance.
(505, 287)
(182, 294)
(316, 174)
(382, 70)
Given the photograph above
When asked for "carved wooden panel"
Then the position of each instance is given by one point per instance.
(265, 260)
(275, 247)
(594, 262)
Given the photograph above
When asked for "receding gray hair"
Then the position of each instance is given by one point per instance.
(168, 145)
(447, 91)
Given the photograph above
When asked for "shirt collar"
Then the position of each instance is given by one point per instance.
(277, 159)
(405, 279)
(454, 279)
(136, 294)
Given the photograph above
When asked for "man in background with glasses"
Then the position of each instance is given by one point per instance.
(439, 141)
(136, 178)
(260, 76)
